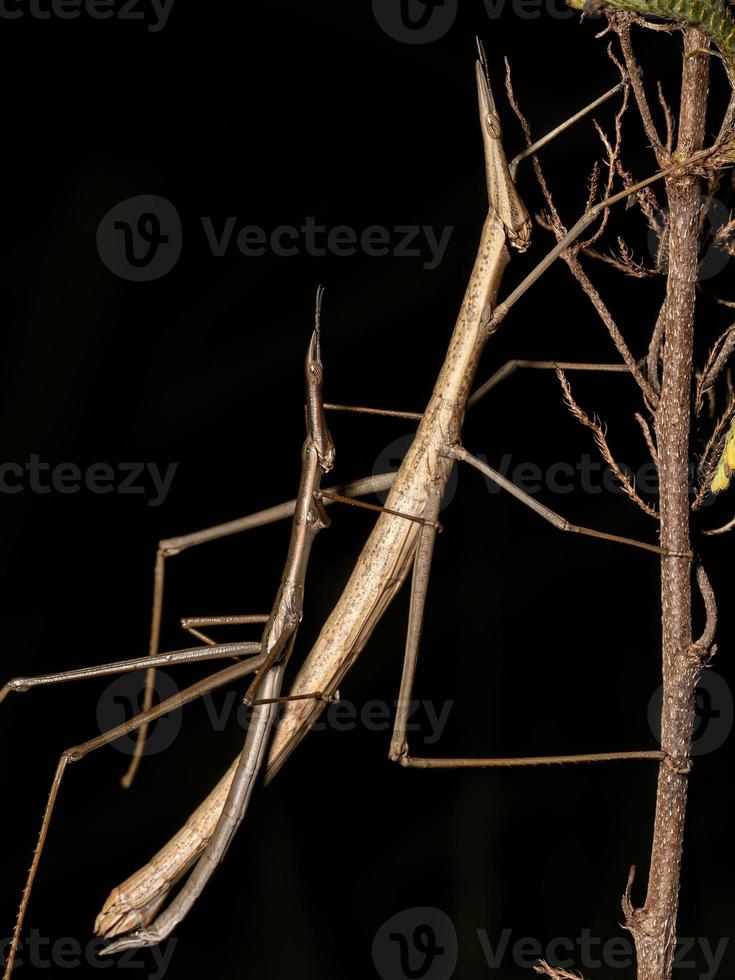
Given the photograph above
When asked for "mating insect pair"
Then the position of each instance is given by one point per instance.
(402, 539)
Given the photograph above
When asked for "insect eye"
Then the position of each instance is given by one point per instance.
(493, 125)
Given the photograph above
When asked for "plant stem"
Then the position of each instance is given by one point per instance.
(654, 926)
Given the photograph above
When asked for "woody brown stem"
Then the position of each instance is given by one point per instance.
(654, 926)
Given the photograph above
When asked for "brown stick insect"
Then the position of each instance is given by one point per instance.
(402, 539)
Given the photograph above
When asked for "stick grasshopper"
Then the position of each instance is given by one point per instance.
(403, 538)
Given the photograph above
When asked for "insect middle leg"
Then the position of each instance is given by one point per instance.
(399, 749)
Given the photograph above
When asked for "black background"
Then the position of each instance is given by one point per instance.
(544, 643)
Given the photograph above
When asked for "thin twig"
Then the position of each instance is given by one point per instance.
(554, 972)
(613, 154)
(621, 24)
(720, 530)
(728, 121)
(625, 263)
(704, 649)
(668, 118)
(492, 317)
(612, 328)
(600, 438)
(712, 452)
(561, 234)
(715, 363)
(654, 349)
(648, 436)
(646, 200)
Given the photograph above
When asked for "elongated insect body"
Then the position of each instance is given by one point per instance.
(135, 902)
(385, 562)
(388, 554)
(134, 914)
(389, 551)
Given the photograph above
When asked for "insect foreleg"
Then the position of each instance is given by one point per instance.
(78, 752)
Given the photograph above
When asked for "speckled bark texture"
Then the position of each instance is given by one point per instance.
(654, 926)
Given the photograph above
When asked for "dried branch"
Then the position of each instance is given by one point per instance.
(648, 436)
(624, 263)
(728, 121)
(712, 453)
(612, 328)
(721, 530)
(704, 649)
(715, 363)
(651, 25)
(647, 202)
(668, 118)
(683, 168)
(613, 158)
(598, 431)
(554, 222)
(621, 24)
(630, 912)
(726, 232)
(654, 350)
(554, 972)
(554, 219)
(723, 237)
(711, 401)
